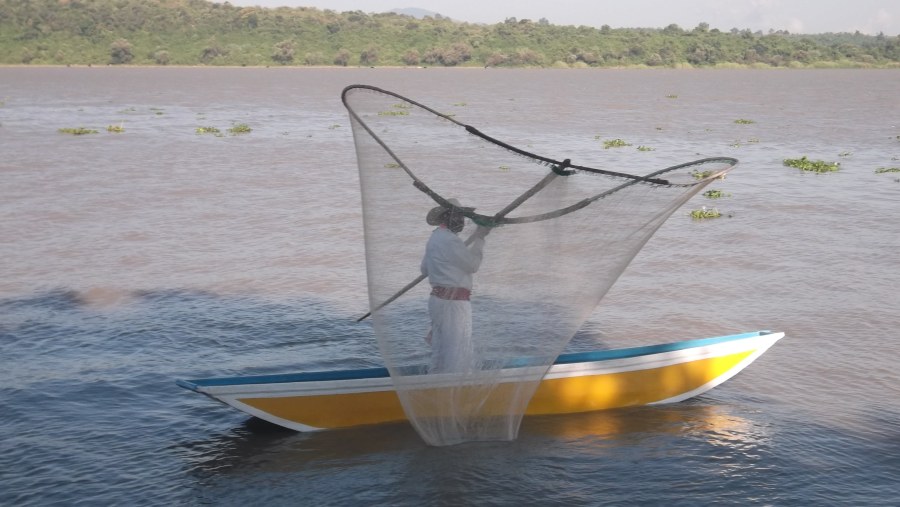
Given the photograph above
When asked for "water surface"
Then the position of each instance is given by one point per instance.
(133, 259)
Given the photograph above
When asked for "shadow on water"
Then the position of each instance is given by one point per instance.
(174, 327)
(90, 389)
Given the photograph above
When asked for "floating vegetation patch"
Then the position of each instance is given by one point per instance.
(671, 96)
(816, 166)
(738, 143)
(115, 129)
(715, 194)
(614, 143)
(704, 213)
(460, 104)
(645, 148)
(399, 110)
(504, 168)
(240, 128)
(80, 131)
(392, 165)
(208, 130)
(882, 170)
(742, 121)
(335, 126)
(700, 175)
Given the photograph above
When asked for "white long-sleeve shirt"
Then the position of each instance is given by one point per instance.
(448, 262)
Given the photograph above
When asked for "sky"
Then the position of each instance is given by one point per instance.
(795, 16)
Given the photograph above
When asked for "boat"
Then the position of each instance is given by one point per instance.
(576, 382)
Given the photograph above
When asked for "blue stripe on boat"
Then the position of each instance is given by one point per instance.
(577, 357)
(605, 355)
(313, 376)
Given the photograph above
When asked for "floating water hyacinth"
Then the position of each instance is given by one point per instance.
(699, 175)
(715, 194)
(614, 143)
(704, 213)
(816, 166)
(80, 131)
(240, 128)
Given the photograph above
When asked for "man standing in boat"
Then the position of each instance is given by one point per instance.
(449, 265)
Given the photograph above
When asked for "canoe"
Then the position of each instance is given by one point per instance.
(576, 382)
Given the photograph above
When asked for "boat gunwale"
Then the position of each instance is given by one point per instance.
(596, 356)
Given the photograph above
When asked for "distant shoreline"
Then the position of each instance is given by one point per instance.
(202, 33)
(824, 66)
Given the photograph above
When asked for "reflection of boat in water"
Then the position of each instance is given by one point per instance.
(577, 382)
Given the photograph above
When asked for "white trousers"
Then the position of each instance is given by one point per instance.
(451, 336)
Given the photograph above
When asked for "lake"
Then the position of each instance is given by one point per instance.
(133, 259)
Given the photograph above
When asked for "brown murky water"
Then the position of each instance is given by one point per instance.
(132, 259)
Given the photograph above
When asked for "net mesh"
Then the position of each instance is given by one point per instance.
(556, 236)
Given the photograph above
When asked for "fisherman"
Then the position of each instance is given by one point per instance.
(449, 264)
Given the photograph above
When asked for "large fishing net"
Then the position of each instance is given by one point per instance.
(554, 237)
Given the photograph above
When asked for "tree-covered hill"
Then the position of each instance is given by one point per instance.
(197, 32)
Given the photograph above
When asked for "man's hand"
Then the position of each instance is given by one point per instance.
(481, 232)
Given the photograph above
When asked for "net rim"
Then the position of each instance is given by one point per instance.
(559, 167)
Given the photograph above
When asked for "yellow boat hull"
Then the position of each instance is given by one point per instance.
(575, 383)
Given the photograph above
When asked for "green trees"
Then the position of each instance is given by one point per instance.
(453, 55)
(283, 52)
(120, 52)
(198, 32)
(368, 56)
(161, 57)
(342, 57)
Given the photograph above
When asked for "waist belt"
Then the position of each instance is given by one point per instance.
(452, 293)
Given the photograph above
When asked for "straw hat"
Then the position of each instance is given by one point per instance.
(434, 216)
